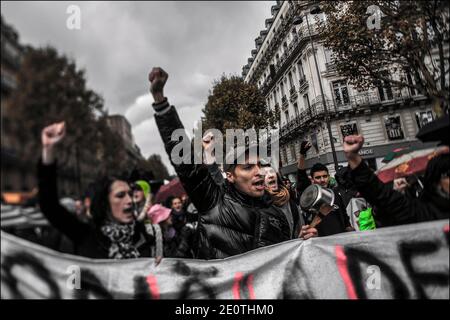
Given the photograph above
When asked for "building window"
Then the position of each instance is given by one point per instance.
(349, 129)
(301, 74)
(296, 110)
(285, 158)
(314, 142)
(286, 114)
(340, 91)
(329, 56)
(291, 82)
(306, 102)
(293, 155)
(393, 127)
(384, 89)
(412, 91)
(423, 117)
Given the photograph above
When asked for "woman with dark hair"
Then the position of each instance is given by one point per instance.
(113, 232)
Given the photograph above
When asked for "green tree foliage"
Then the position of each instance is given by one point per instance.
(235, 104)
(51, 88)
(412, 39)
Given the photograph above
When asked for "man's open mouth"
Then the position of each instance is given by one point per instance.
(259, 185)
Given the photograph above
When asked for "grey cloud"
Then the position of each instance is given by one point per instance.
(195, 41)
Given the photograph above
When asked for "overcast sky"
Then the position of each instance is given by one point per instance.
(119, 42)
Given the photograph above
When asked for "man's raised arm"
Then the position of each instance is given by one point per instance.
(196, 179)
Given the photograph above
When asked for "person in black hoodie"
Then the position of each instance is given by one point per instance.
(345, 187)
(113, 232)
(433, 204)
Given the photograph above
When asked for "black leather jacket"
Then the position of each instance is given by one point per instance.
(394, 208)
(230, 222)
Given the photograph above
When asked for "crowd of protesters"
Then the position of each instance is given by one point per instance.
(231, 209)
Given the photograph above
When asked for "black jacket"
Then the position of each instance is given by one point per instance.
(395, 207)
(337, 220)
(87, 239)
(230, 222)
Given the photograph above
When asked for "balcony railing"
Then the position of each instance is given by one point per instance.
(330, 66)
(10, 54)
(284, 101)
(362, 101)
(293, 94)
(303, 84)
(8, 82)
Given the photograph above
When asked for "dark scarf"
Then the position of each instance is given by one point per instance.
(121, 237)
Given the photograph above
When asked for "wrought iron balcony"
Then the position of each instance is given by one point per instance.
(293, 94)
(284, 101)
(8, 82)
(274, 9)
(11, 54)
(330, 66)
(303, 84)
(269, 22)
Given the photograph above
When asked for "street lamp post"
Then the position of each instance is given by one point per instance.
(299, 20)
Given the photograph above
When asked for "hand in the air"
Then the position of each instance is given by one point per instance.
(53, 134)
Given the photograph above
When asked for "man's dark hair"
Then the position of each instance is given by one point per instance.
(175, 197)
(437, 166)
(318, 167)
(231, 159)
(168, 202)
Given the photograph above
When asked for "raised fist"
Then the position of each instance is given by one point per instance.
(353, 143)
(304, 147)
(400, 185)
(208, 146)
(157, 78)
(53, 134)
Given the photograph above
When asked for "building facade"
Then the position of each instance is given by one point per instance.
(16, 175)
(121, 126)
(282, 66)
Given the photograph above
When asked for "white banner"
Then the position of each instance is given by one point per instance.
(410, 261)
